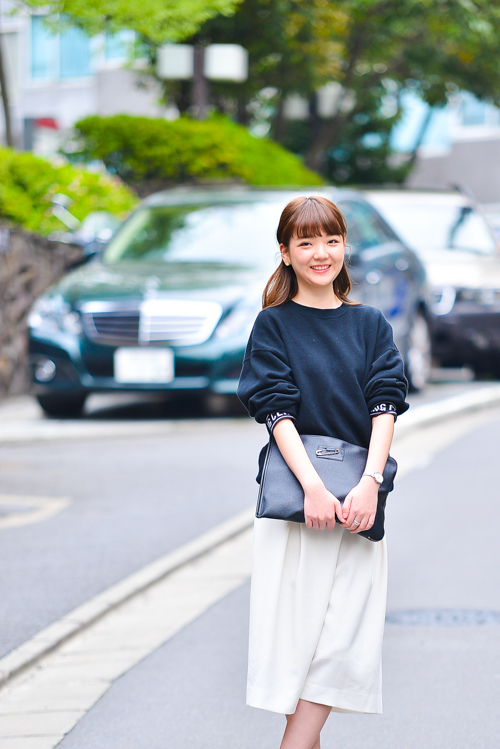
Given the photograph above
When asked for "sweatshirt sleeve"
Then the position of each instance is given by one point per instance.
(266, 384)
(386, 382)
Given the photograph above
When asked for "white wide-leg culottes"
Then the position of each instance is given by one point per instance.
(317, 613)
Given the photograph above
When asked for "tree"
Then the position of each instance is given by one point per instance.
(434, 45)
(374, 49)
(157, 21)
(5, 95)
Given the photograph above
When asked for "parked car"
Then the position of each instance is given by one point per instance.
(461, 255)
(170, 303)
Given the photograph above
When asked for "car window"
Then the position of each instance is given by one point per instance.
(439, 226)
(237, 234)
(364, 227)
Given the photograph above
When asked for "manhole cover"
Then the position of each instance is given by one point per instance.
(443, 618)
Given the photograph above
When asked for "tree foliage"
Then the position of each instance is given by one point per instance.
(27, 184)
(158, 21)
(140, 148)
(375, 49)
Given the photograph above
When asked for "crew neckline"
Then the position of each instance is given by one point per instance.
(318, 312)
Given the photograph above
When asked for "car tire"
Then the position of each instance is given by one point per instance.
(63, 406)
(418, 360)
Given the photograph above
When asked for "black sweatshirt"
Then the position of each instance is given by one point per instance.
(330, 370)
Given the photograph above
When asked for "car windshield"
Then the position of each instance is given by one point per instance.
(241, 234)
(439, 226)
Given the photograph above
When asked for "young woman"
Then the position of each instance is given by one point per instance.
(317, 363)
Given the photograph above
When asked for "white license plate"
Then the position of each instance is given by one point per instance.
(143, 366)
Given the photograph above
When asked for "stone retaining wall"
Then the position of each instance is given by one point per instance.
(29, 264)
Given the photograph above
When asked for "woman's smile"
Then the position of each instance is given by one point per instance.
(320, 268)
(316, 261)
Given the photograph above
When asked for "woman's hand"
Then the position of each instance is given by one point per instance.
(360, 505)
(320, 507)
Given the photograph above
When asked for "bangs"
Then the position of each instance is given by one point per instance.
(310, 217)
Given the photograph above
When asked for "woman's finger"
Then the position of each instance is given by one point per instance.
(351, 517)
(338, 511)
(363, 525)
(331, 524)
(346, 507)
(356, 523)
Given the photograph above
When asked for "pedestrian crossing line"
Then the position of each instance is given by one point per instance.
(41, 705)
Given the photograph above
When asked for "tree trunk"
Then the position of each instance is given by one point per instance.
(329, 130)
(5, 98)
(200, 85)
(421, 133)
(327, 133)
(279, 122)
(243, 115)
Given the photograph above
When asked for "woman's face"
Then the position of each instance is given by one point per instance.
(317, 261)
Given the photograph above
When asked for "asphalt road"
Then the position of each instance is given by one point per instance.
(132, 498)
(131, 502)
(441, 673)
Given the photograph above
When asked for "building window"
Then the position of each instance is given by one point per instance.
(58, 55)
(473, 111)
(117, 46)
(74, 53)
(44, 50)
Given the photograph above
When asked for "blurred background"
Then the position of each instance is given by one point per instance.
(147, 152)
(225, 98)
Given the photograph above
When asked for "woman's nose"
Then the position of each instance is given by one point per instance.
(321, 251)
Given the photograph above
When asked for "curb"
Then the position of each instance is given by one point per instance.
(441, 410)
(83, 616)
(75, 621)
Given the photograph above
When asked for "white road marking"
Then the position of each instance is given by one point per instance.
(40, 705)
(30, 509)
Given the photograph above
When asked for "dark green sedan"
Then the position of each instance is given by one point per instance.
(170, 303)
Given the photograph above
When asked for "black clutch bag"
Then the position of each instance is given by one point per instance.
(339, 465)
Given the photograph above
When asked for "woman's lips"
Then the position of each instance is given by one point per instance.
(320, 268)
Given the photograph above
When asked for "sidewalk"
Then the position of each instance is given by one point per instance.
(40, 705)
(441, 661)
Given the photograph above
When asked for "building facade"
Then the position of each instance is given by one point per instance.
(56, 78)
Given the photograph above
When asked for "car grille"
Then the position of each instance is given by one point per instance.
(112, 327)
(154, 321)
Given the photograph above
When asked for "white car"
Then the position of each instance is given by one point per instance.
(461, 256)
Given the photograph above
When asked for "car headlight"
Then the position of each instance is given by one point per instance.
(53, 313)
(240, 320)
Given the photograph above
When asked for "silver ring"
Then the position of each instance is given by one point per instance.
(355, 522)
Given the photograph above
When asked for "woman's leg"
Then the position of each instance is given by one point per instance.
(304, 726)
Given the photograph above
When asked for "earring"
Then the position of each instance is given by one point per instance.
(286, 263)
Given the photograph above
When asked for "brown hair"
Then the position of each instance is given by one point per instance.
(306, 217)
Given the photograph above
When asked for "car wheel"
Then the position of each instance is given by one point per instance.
(64, 406)
(419, 353)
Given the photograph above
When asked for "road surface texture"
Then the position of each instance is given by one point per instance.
(441, 662)
(119, 499)
(132, 499)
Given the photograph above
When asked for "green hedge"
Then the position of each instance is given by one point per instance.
(139, 148)
(28, 182)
